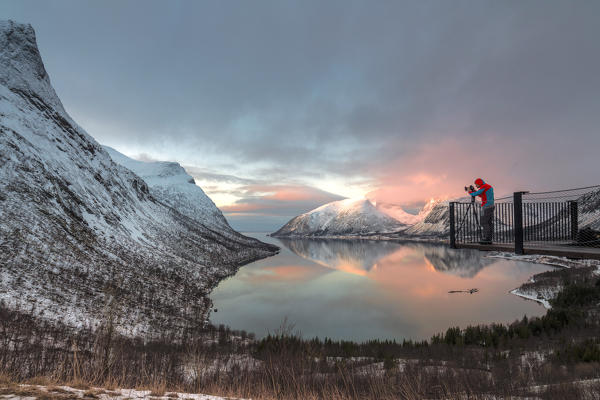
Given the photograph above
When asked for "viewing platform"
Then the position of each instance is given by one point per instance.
(563, 223)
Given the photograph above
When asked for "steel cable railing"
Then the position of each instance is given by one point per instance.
(567, 217)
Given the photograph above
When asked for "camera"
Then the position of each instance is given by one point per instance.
(471, 188)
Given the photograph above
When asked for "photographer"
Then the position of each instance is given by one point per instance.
(486, 192)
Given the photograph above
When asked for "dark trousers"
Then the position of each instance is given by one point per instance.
(487, 222)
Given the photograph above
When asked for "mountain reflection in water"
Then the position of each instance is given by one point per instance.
(360, 256)
(360, 290)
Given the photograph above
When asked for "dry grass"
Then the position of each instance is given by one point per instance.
(9, 388)
(30, 391)
(39, 380)
(38, 392)
(57, 389)
(5, 379)
(91, 394)
(158, 389)
(282, 369)
(79, 384)
(405, 391)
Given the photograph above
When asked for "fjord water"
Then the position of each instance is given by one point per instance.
(360, 290)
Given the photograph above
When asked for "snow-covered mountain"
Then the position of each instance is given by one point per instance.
(397, 212)
(350, 217)
(81, 236)
(435, 220)
(171, 184)
(589, 210)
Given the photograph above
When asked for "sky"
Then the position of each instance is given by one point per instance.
(277, 107)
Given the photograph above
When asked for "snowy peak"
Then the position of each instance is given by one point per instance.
(428, 207)
(397, 212)
(170, 172)
(21, 66)
(345, 206)
(343, 217)
(359, 217)
(170, 183)
(29, 100)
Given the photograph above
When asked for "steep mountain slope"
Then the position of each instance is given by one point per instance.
(82, 238)
(589, 210)
(171, 184)
(348, 217)
(435, 223)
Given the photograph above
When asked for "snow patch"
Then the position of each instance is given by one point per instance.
(556, 261)
(533, 295)
(116, 394)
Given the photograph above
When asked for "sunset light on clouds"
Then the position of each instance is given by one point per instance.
(276, 108)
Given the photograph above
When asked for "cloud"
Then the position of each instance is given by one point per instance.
(145, 157)
(202, 174)
(279, 200)
(408, 100)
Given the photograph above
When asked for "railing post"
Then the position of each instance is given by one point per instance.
(518, 221)
(574, 218)
(452, 226)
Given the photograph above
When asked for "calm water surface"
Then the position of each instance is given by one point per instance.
(363, 290)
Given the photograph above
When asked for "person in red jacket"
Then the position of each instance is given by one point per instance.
(486, 192)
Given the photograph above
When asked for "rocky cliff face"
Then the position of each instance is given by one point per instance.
(83, 237)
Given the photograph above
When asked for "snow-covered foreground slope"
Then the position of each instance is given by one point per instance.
(82, 237)
(348, 217)
(171, 184)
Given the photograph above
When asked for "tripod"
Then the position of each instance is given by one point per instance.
(464, 218)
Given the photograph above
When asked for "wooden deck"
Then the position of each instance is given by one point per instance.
(549, 250)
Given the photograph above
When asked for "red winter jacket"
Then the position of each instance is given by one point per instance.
(486, 192)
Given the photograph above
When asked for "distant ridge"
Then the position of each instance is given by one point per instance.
(170, 183)
(352, 217)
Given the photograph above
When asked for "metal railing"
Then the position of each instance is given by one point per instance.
(467, 226)
(566, 217)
